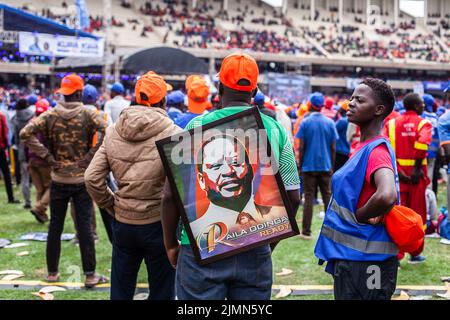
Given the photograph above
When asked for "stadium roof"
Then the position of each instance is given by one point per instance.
(19, 20)
(165, 60)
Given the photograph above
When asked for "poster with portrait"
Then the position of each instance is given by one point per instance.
(227, 188)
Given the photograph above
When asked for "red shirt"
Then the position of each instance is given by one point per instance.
(379, 158)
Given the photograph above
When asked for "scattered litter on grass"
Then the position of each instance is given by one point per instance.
(403, 296)
(42, 236)
(22, 253)
(3, 272)
(17, 245)
(50, 289)
(284, 272)
(283, 293)
(141, 296)
(43, 296)
(4, 243)
(11, 277)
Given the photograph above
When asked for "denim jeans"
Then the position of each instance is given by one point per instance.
(131, 245)
(245, 276)
(60, 195)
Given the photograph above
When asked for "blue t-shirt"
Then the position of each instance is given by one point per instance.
(444, 130)
(185, 118)
(318, 133)
(342, 144)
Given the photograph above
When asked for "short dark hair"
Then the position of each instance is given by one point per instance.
(21, 104)
(383, 93)
(412, 100)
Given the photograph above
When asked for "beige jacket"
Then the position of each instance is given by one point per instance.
(129, 152)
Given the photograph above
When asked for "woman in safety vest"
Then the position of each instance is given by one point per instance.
(360, 254)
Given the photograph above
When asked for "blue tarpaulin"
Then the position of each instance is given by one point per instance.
(19, 20)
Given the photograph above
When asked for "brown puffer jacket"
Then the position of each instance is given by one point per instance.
(129, 152)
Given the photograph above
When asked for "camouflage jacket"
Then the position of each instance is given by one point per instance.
(68, 130)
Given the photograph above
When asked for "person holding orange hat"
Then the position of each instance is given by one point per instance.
(68, 131)
(197, 91)
(360, 254)
(247, 275)
(129, 152)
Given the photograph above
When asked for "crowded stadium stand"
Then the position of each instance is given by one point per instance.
(329, 40)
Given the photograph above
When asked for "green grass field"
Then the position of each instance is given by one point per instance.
(294, 253)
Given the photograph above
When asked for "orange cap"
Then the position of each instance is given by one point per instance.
(198, 93)
(238, 66)
(405, 227)
(344, 105)
(153, 86)
(190, 79)
(70, 84)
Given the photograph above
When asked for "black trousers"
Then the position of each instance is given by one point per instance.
(365, 280)
(4, 166)
(132, 244)
(60, 195)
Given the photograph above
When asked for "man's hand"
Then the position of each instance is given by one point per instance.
(404, 178)
(416, 175)
(172, 254)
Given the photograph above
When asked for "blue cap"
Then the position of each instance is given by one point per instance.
(117, 87)
(90, 94)
(259, 98)
(429, 102)
(317, 99)
(32, 99)
(175, 97)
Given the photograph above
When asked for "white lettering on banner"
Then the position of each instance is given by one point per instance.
(60, 46)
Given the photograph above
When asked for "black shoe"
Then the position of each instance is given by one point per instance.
(41, 218)
(13, 201)
(27, 206)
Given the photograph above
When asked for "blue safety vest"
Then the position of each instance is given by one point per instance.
(342, 237)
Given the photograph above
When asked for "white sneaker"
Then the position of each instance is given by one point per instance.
(322, 214)
(305, 237)
(433, 235)
(445, 241)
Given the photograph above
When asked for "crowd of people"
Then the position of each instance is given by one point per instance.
(78, 151)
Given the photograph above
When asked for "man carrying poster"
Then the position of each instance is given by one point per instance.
(246, 275)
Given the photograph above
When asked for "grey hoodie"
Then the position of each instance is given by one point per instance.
(19, 121)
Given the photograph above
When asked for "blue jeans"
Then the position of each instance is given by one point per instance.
(131, 245)
(246, 276)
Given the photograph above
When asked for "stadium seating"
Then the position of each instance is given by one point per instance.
(256, 26)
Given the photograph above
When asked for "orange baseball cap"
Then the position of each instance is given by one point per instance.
(238, 66)
(198, 93)
(344, 105)
(153, 86)
(405, 227)
(190, 79)
(70, 84)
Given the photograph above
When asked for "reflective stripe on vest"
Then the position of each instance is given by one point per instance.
(420, 146)
(422, 123)
(344, 213)
(391, 125)
(371, 247)
(410, 162)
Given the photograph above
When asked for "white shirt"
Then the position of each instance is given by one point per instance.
(219, 214)
(115, 106)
